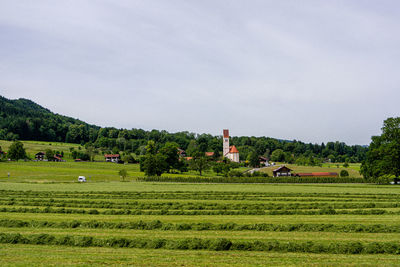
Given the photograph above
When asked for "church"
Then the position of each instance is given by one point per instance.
(229, 152)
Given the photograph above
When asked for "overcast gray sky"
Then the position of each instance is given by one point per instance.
(314, 71)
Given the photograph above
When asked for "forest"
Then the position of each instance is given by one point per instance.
(22, 119)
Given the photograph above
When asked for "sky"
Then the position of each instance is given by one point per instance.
(314, 71)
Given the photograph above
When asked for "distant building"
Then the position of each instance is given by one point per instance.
(209, 154)
(58, 158)
(229, 152)
(181, 153)
(263, 161)
(282, 171)
(39, 156)
(112, 157)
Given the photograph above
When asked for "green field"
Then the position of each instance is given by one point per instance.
(48, 218)
(33, 147)
(172, 224)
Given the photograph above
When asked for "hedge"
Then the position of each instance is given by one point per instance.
(290, 179)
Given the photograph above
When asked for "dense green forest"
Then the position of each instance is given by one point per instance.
(23, 119)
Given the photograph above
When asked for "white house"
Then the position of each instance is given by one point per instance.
(112, 157)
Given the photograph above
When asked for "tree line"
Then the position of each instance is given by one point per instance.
(23, 119)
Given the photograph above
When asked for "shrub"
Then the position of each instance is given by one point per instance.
(344, 173)
(235, 173)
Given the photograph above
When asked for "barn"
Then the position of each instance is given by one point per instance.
(282, 171)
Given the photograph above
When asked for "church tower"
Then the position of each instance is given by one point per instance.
(226, 142)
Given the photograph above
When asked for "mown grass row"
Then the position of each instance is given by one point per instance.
(158, 225)
(221, 244)
(323, 211)
(194, 206)
(290, 179)
(189, 195)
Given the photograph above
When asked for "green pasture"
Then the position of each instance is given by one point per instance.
(108, 195)
(33, 147)
(32, 255)
(44, 171)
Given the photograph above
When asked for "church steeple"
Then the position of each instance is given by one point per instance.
(225, 142)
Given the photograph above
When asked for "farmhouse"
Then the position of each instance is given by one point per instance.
(39, 156)
(58, 158)
(229, 152)
(112, 157)
(282, 171)
(317, 174)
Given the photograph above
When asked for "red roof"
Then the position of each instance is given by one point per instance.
(111, 155)
(209, 154)
(233, 149)
(226, 133)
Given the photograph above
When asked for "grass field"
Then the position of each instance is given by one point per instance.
(172, 224)
(33, 147)
(43, 171)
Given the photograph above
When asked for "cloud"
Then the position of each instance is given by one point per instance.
(315, 71)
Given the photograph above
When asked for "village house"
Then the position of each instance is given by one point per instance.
(112, 157)
(58, 158)
(282, 171)
(229, 152)
(39, 156)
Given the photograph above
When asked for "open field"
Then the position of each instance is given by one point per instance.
(33, 147)
(43, 171)
(172, 224)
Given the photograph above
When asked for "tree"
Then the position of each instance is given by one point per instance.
(1, 154)
(253, 159)
(383, 158)
(123, 173)
(17, 151)
(91, 151)
(344, 173)
(278, 155)
(199, 163)
(153, 163)
(170, 151)
(49, 154)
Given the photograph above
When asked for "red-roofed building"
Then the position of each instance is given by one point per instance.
(112, 157)
(58, 158)
(209, 154)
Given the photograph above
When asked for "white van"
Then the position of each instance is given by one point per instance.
(81, 179)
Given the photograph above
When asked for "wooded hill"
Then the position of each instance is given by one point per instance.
(23, 119)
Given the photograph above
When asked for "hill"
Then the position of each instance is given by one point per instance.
(23, 119)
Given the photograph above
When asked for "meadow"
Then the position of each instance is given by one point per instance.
(175, 224)
(48, 218)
